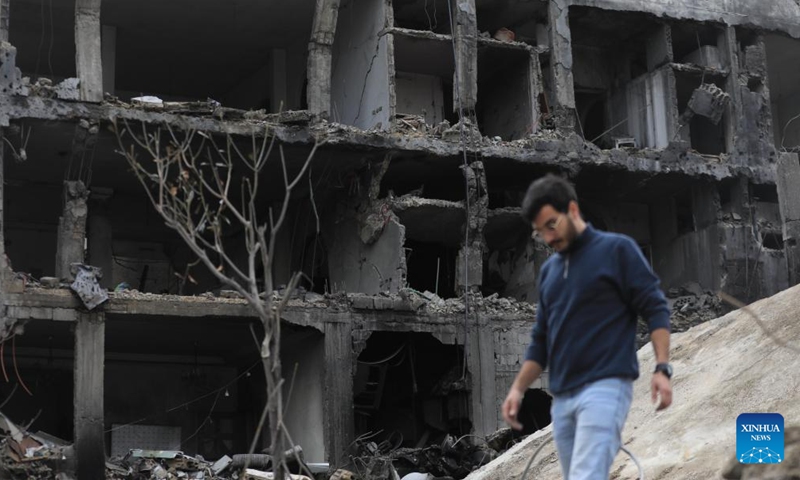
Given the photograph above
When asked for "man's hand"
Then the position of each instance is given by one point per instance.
(511, 408)
(660, 386)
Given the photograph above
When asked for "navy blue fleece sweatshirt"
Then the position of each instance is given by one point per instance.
(589, 298)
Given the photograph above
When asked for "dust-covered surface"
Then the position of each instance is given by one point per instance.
(723, 368)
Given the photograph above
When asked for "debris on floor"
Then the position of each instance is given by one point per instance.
(24, 455)
(40, 456)
(453, 458)
(168, 465)
(691, 306)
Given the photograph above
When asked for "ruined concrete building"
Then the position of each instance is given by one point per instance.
(676, 120)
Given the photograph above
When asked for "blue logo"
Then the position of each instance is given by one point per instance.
(759, 438)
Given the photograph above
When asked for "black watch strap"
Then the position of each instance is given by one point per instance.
(664, 368)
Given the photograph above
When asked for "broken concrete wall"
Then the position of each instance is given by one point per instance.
(303, 394)
(754, 252)
(755, 139)
(740, 249)
(789, 200)
(518, 269)
(372, 268)
(632, 219)
(510, 342)
(360, 91)
(684, 253)
(10, 76)
(780, 54)
(646, 109)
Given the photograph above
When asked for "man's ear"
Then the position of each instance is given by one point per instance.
(574, 210)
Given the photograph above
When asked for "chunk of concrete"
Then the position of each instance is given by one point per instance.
(69, 89)
(221, 464)
(362, 302)
(709, 101)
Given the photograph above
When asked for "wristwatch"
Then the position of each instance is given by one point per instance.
(664, 368)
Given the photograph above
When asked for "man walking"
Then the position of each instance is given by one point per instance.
(590, 294)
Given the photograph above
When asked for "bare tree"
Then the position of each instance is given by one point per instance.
(203, 186)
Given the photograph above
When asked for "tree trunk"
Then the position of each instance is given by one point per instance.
(272, 372)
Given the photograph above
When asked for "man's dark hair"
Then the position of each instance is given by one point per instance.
(548, 190)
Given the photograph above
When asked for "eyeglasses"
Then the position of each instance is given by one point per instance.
(548, 227)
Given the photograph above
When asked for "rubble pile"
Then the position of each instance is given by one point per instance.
(451, 459)
(723, 368)
(166, 465)
(493, 304)
(300, 297)
(690, 306)
(28, 456)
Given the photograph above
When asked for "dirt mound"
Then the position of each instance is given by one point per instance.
(723, 368)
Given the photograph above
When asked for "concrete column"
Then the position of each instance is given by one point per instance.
(659, 47)
(537, 88)
(89, 64)
(563, 101)
(100, 238)
(109, 58)
(320, 54)
(9, 73)
(5, 17)
(3, 263)
(483, 371)
(469, 263)
(338, 407)
(89, 365)
(466, 61)
(71, 228)
(733, 122)
(789, 203)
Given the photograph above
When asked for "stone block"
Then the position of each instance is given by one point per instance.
(383, 303)
(362, 302)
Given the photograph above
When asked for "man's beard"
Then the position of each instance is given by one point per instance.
(569, 236)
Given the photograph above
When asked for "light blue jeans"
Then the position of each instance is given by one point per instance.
(587, 427)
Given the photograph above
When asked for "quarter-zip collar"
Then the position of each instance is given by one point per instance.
(588, 234)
